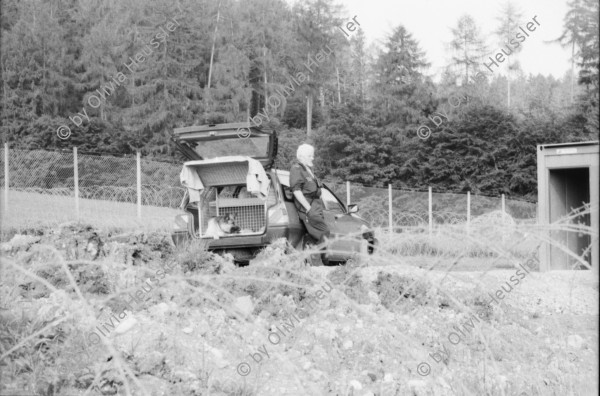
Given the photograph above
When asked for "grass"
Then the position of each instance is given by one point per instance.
(28, 211)
(474, 246)
(380, 320)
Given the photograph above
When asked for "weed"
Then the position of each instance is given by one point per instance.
(390, 287)
(350, 283)
(195, 257)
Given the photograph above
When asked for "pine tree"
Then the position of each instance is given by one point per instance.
(397, 101)
(38, 53)
(468, 46)
(582, 21)
(316, 22)
(354, 77)
(509, 22)
(265, 34)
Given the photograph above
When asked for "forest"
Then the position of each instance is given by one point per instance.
(121, 75)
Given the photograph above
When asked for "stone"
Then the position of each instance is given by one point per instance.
(316, 375)
(356, 385)
(575, 341)
(21, 242)
(218, 357)
(159, 309)
(244, 305)
(151, 362)
(126, 325)
(417, 386)
(374, 299)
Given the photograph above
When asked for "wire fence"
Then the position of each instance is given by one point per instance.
(416, 208)
(52, 187)
(47, 187)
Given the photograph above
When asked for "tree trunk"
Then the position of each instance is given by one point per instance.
(572, 70)
(309, 115)
(212, 53)
(337, 73)
(508, 90)
(508, 84)
(309, 103)
(265, 76)
(164, 69)
(44, 72)
(466, 63)
(322, 97)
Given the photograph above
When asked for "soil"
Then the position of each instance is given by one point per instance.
(278, 327)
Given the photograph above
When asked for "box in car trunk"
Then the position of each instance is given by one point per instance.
(225, 193)
(250, 213)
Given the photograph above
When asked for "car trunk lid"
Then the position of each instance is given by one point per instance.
(221, 140)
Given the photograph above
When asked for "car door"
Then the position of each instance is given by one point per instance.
(338, 219)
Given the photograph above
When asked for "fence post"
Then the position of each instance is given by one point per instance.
(76, 181)
(139, 186)
(6, 183)
(468, 212)
(347, 193)
(390, 217)
(430, 211)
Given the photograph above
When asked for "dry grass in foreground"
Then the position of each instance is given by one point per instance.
(371, 327)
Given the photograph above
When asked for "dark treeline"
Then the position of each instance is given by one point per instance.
(122, 74)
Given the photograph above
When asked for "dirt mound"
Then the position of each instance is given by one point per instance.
(172, 321)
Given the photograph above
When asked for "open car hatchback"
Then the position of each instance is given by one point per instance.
(238, 203)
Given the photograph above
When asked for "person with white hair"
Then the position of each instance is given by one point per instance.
(307, 196)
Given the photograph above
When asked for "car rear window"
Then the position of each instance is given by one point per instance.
(257, 147)
(287, 193)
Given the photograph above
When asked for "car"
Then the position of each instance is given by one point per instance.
(223, 161)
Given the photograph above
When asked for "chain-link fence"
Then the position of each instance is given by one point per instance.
(52, 187)
(47, 187)
(417, 208)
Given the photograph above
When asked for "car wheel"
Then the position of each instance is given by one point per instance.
(362, 256)
(371, 246)
(180, 238)
(313, 259)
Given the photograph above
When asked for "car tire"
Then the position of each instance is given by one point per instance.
(180, 238)
(314, 260)
(372, 245)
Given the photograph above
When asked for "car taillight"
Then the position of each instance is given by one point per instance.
(278, 215)
(182, 222)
